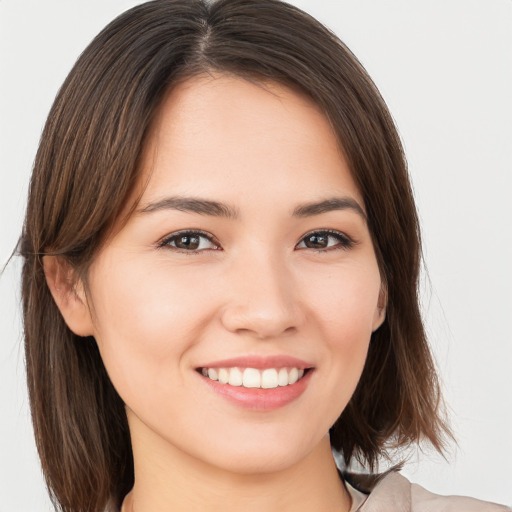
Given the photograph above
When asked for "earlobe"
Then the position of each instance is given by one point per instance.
(69, 294)
(380, 311)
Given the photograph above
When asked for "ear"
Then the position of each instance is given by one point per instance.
(69, 294)
(380, 310)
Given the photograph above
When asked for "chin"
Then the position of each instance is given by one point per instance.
(259, 462)
(262, 454)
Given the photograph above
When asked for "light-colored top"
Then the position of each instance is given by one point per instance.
(358, 498)
(394, 493)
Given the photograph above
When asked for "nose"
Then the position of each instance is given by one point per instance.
(263, 302)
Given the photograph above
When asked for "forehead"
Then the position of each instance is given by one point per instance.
(222, 135)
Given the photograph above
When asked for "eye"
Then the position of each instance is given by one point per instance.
(325, 240)
(189, 241)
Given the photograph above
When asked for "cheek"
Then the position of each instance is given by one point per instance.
(344, 305)
(145, 320)
(345, 301)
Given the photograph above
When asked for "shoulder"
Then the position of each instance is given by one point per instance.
(393, 492)
(425, 501)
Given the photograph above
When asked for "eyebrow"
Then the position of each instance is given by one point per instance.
(194, 205)
(329, 205)
(217, 209)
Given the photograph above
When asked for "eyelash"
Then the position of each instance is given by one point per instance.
(165, 242)
(344, 241)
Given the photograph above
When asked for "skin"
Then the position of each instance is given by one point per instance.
(159, 312)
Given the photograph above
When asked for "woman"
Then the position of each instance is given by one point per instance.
(221, 261)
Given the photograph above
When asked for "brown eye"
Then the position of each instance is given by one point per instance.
(325, 240)
(316, 241)
(189, 241)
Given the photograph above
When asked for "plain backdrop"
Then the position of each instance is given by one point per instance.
(445, 69)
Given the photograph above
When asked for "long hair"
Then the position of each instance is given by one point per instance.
(87, 165)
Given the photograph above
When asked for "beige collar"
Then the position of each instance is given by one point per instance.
(390, 491)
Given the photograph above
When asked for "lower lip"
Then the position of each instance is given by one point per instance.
(260, 399)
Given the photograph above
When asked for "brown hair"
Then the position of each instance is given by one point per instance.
(86, 166)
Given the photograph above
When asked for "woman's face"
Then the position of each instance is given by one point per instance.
(248, 258)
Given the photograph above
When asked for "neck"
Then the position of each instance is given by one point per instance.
(167, 479)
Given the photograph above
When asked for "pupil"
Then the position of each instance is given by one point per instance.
(188, 242)
(316, 241)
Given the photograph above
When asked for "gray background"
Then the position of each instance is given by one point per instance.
(445, 69)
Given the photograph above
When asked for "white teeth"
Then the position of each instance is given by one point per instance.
(282, 378)
(223, 376)
(268, 378)
(235, 377)
(252, 378)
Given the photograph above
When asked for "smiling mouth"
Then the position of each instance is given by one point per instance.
(268, 378)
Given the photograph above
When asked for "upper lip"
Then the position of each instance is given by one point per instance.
(260, 362)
